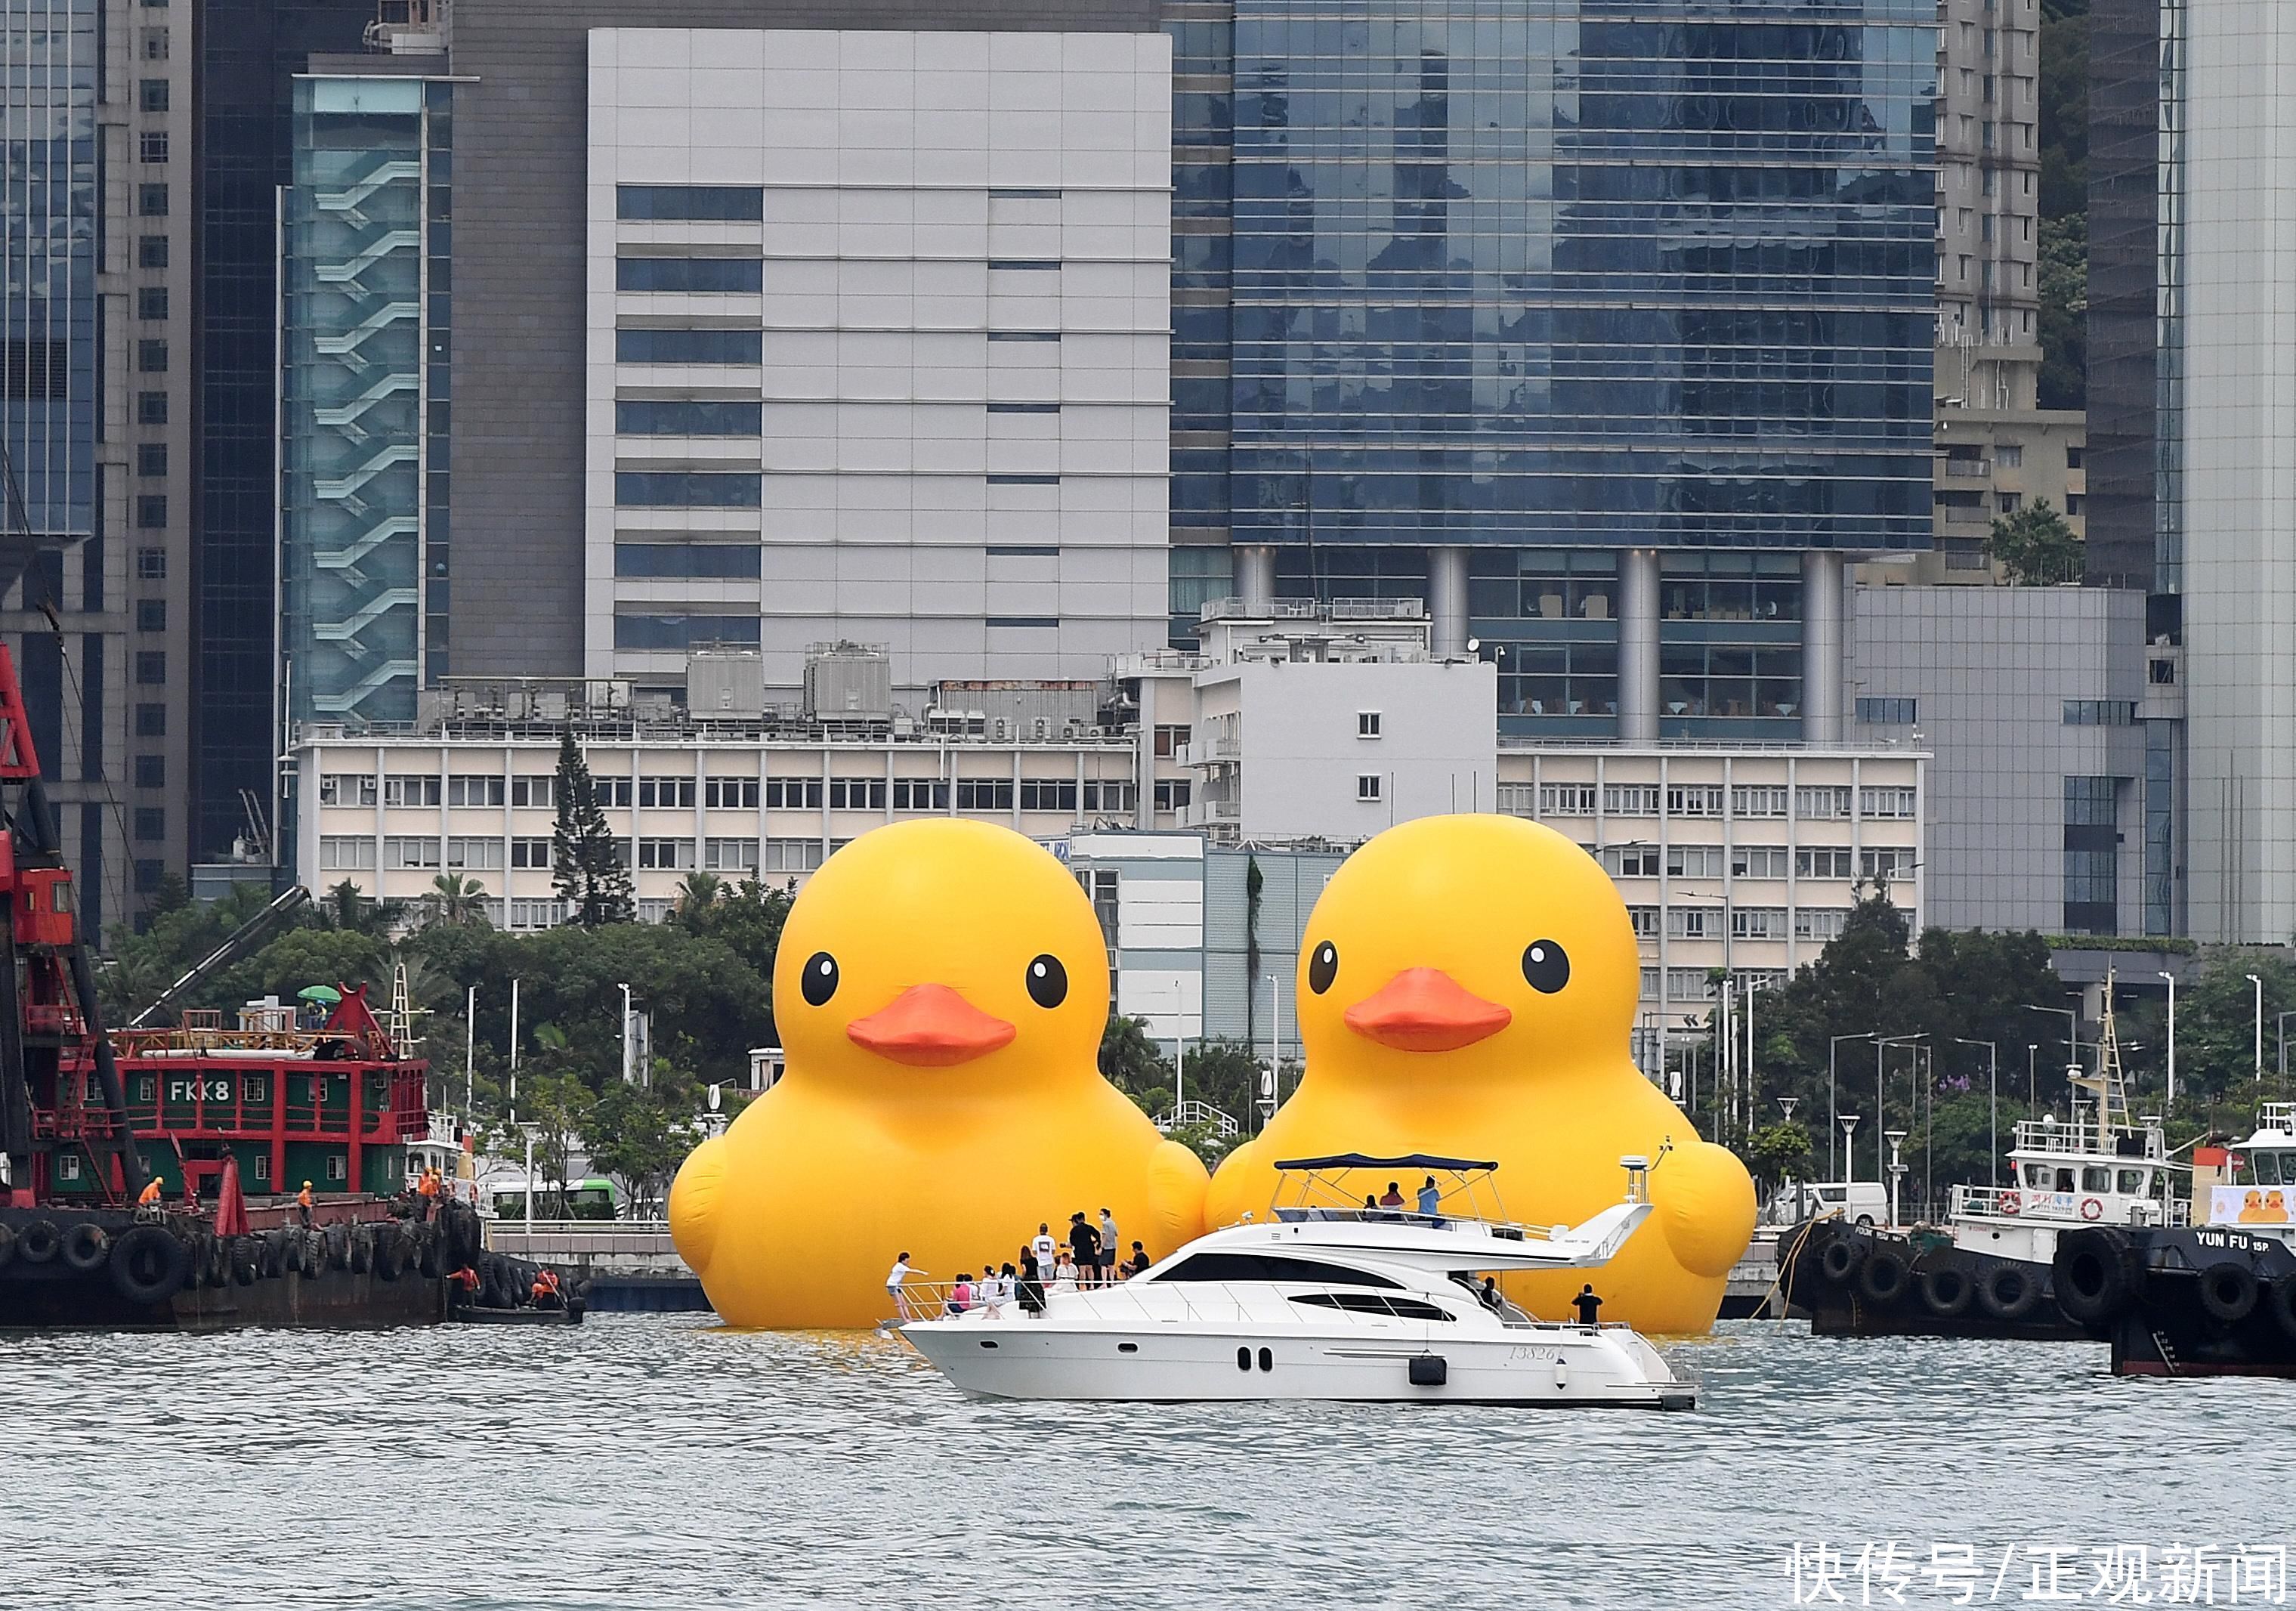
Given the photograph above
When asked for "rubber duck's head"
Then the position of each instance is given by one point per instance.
(1454, 945)
(940, 950)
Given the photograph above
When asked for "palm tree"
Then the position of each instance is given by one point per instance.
(455, 899)
(698, 890)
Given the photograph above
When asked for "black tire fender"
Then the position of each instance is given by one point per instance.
(246, 1260)
(2228, 1291)
(149, 1264)
(1947, 1288)
(1841, 1259)
(362, 1250)
(2009, 1291)
(7, 1244)
(1884, 1280)
(85, 1247)
(39, 1242)
(2090, 1275)
(390, 1256)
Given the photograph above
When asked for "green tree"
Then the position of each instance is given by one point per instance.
(2037, 546)
(1777, 1152)
(587, 869)
(697, 892)
(1129, 1058)
(456, 898)
(347, 908)
(1223, 1073)
(640, 1135)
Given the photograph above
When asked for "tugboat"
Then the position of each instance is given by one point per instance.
(1992, 1271)
(122, 1154)
(2216, 1297)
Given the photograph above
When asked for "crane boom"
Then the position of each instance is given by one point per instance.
(234, 945)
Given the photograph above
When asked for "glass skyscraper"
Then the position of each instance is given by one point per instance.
(1607, 336)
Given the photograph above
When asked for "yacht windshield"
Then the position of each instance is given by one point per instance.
(1269, 1267)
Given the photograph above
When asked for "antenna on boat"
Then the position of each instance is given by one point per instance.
(2109, 1086)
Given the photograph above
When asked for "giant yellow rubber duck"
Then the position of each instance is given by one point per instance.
(941, 989)
(1467, 988)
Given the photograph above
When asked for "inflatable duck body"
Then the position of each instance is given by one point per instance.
(941, 989)
(1467, 988)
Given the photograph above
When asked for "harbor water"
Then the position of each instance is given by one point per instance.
(645, 1461)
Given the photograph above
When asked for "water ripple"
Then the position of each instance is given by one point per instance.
(662, 1461)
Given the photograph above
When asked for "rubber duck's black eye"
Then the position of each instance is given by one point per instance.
(1048, 982)
(818, 982)
(1323, 967)
(1544, 966)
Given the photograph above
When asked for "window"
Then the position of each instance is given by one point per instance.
(1819, 923)
(151, 358)
(151, 201)
(1694, 800)
(1365, 1302)
(1271, 1266)
(1758, 800)
(687, 419)
(1759, 861)
(857, 793)
(2008, 502)
(1886, 712)
(2099, 712)
(1110, 794)
(410, 851)
(1168, 739)
(984, 794)
(533, 791)
(1824, 861)
(346, 788)
(730, 855)
(1693, 862)
(151, 721)
(1368, 724)
(666, 855)
(729, 794)
(2074, 457)
(1174, 793)
(151, 615)
(152, 668)
(151, 771)
(474, 852)
(155, 45)
(1688, 984)
(690, 203)
(687, 489)
(1629, 860)
(1694, 922)
(1566, 800)
(1885, 802)
(150, 458)
(790, 855)
(535, 914)
(689, 274)
(475, 789)
(2075, 502)
(792, 794)
(1892, 862)
(1048, 794)
(673, 793)
(151, 406)
(649, 346)
(1630, 799)
(152, 146)
(2091, 802)
(1823, 803)
(151, 251)
(152, 94)
(1368, 786)
(529, 852)
(613, 794)
(2008, 456)
(1758, 922)
(920, 794)
(151, 824)
(151, 511)
(411, 789)
(1646, 921)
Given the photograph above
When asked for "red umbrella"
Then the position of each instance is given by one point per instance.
(231, 1208)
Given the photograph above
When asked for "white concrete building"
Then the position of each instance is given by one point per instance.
(879, 348)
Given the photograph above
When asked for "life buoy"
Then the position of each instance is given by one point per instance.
(2228, 1291)
(2092, 1210)
(149, 1265)
(2090, 1275)
(85, 1247)
(2010, 1204)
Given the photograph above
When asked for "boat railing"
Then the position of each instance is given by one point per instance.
(1505, 1229)
(2018, 1203)
(1206, 1302)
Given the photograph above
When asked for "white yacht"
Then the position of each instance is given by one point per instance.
(1319, 1301)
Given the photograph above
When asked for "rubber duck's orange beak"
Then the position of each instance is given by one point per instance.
(930, 1026)
(1425, 1010)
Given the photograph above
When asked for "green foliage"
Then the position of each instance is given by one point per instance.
(1777, 1152)
(747, 918)
(1223, 1074)
(2064, 244)
(2037, 546)
(455, 900)
(1130, 1060)
(641, 1135)
(1205, 1142)
(586, 869)
(2063, 292)
(2164, 944)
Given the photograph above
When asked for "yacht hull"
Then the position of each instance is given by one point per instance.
(1559, 1366)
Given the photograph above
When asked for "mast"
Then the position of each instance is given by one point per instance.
(2108, 1087)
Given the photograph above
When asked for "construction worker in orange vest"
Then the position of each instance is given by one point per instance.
(427, 1189)
(303, 1204)
(545, 1289)
(468, 1279)
(149, 1197)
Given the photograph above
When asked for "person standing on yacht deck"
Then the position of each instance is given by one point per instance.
(1044, 1251)
(1084, 1242)
(1394, 1198)
(899, 1273)
(1587, 1306)
(1431, 1201)
(1108, 1246)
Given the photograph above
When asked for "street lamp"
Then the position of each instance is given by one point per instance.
(1274, 1054)
(1832, 1047)
(1897, 1172)
(2072, 1037)
(2259, 982)
(2171, 978)
(1848, 1158)
(1881, 1101)
(1993, 1080)
(2033, 1081)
